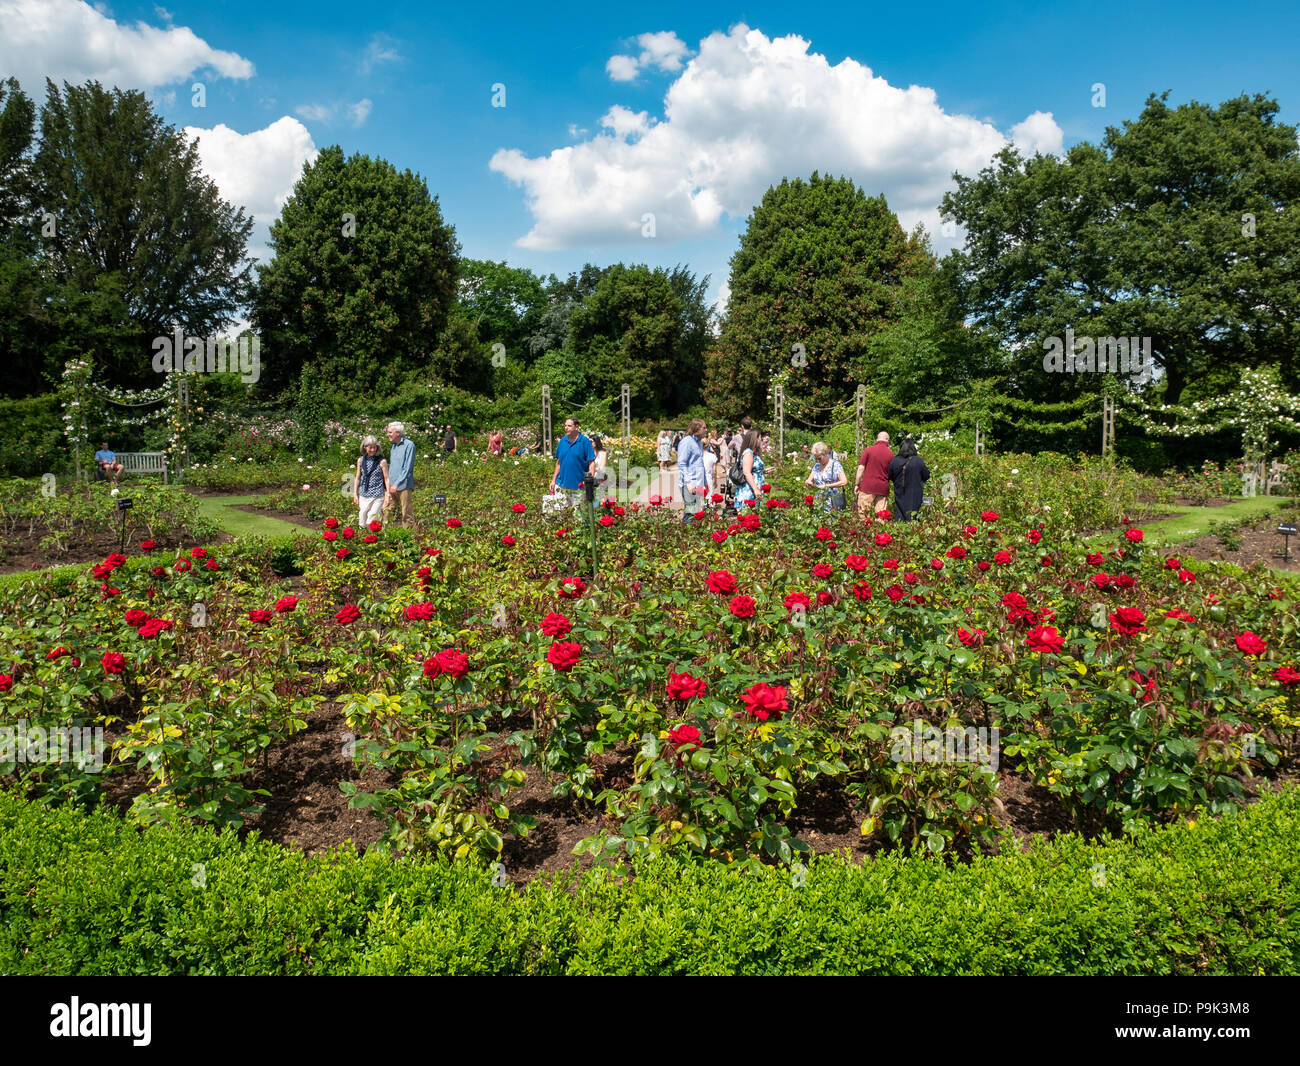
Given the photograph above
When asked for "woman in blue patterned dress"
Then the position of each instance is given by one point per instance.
(751, 465)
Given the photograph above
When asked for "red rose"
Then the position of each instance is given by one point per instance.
(424, 571)
(1251, 644)
(1014, 599)
(6, 682)
(420, 612)
(198, 553)
(824, 598)
(884, 540)
(797, 599)
(910, 578)
(606, 520)
(1034, 536)
(684, 734)
(1045, 639)
(656, 501)
(561, 532)
(968, 531)
(619, 512)
(449, 661)
(1096, 558)
(1186, 576)
(108, 591)
(212, 564)
(742, 606)
(113, 662)
(957, 552)
(685, 687)
(824, 534)
(453, 523)
(1124, 581)
(375, 525)
(766, 488)
(572, 587)
(563, 655)
(158, 571)
(432, 552)
(331, 523)
(329, 534)
(1182, 615)
(182, 565)
(1128, 620)
(722, 582)
(370, 538)
(1173, 564)
(895, 592)
(286, 603)
(1133, 535)
(57, 653)
(982, 565)
(862, 590)
(155, 626)
(135, 618)
(349, 533)
(936, 564)
(1101, 580)
(989, 516)
(765, 701)
(971, 640)
(1286, 675)
(519, 508)
(1002, 558)
(883, 516)
(719, 535)
(508, 541)
(857, 563)
(822, 571)
(147, 545)
(342, 553)
(750, 522)
(555, 625)
(348, 613)
(259, 616)
(809, 500)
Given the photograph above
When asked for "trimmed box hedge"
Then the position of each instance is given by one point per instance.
(88, 894)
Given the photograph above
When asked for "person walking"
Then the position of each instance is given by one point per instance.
(600, 470)
(828, 476)
(908, 472)
(738, 437)
(751, 470)
(575, 458)
(401, 472)
(369, 482)
(690, 470)
(872, 478)
(448, 443)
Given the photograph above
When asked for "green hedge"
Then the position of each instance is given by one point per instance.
(31, 437)
(87, 894)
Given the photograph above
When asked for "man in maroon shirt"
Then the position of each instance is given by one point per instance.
(872, 477)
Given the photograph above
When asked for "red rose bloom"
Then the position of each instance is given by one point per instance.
(155, 626)
(683, 735)
(982, 565)
(797, 599)
(1045, 639)
(158, 571)
(286, 603)
(182, 565)
(1124, 581)
(198, 553)
(957, 552)
(349, 532)
(259, 616)
(147, 545)
(342, 553)
(331, 523)
(656, 501)
(936, 564)
(1182, 615)
(910, 578)
(135, 618)
(1034, 536)
(329, 534)
(449, 661)
(1173, 564)
(212, 564)
(824, 534)
(453, 523)
(1251, 644)
(619, 512)
(856, 563)
(113, 662)
(719, 535)
(6, 682)
(1101, 580)
(563, 655)
(765, 701)
(989, 516)
(606, 520)
(424, 571)
(883, 516)
(809, 500)
(1133, 535)
(750, 523)
(685, 687)
(722, 582)
(57, 653)
(1128, 620)
(742, 606)
(971, 640)
(519, 508)
(1002, 558)
(572, 587)
(862, 590)
(508, 541)
(1186, 576)
(370, 538)
(884, 540)
(348, 613)
(824, 598)
(895, 592)
(1286, 675)
(765, 488)
(822, 571)
(1014, 599)
(1096, 558)
(555, 625)
(560, 532)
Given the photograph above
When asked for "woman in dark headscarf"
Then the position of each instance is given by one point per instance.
(908, 472)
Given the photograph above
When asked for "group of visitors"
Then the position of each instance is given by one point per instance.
(879, 468)
(380, 485)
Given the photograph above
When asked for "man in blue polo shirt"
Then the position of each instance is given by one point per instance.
(574, 459)
(107, 461)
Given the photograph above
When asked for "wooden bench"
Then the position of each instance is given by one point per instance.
(139, 463)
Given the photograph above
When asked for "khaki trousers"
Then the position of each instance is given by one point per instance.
(869, 503)
(404, 509)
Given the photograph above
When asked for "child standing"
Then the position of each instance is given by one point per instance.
(370, 484)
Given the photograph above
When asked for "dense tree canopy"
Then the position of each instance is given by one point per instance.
(820, 265)
(1182, 226)
(362, 279)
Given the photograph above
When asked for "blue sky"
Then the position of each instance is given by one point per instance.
(707, 106)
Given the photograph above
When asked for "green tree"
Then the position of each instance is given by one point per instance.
(819, 272)
(1181, 226)
(133, 214)
(504, 304)
(362, 278)
(17, 124)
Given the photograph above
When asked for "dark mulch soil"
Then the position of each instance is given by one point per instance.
(1260, 543)
(23, 551)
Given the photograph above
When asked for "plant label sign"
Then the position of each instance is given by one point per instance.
(440, 497)
(125, 505)
(1286, 529)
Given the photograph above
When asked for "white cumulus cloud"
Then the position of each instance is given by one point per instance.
(745, 112)
(69, 40)
(360, 111)
(663, 50)
(1038, 133)
(256, 171)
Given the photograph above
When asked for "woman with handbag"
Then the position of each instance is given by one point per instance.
(908, 472)
(747, 473)
(828, 476)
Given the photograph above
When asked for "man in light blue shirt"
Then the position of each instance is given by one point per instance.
(690, 471)
(107, 461)
(401, 473)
